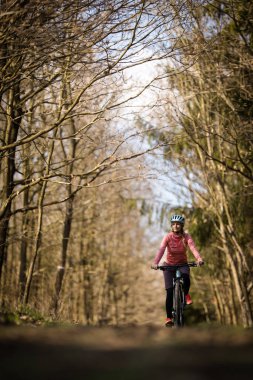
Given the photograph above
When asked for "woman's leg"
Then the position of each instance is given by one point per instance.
(185, 271)
(187, 282)
(169, 302)
(168, 281)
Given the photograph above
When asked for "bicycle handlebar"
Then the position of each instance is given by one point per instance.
(168, 267)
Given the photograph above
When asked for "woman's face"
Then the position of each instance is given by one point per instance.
(176, 227)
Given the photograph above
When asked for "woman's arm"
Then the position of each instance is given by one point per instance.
(161, 250)
(193, 248)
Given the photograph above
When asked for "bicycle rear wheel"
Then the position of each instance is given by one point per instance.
(178, 302)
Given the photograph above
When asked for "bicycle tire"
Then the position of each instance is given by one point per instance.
(178, 312)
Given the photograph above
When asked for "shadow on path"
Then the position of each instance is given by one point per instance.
(125, 353)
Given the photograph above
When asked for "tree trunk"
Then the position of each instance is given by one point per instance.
(65, 242)
(39, 228)
(37, 245)
(23, 248)
(237, 280)
(13, 121)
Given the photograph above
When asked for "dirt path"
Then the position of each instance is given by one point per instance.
(125, 353)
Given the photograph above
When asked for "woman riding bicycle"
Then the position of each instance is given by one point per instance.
(176, 242)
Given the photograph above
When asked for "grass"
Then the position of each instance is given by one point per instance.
(23, 315)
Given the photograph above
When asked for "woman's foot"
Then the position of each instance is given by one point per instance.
(188, 299)
(168, 322)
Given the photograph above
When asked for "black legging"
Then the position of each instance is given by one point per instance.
(169, 297)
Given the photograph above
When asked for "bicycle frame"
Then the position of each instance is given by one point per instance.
(178, 292)
(178, 300)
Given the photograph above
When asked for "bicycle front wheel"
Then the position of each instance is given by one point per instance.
(178, 310)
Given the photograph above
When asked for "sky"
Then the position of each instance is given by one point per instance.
(165, 181)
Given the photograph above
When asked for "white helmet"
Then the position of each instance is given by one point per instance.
(177, 218)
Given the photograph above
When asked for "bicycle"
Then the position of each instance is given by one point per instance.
(178, 292)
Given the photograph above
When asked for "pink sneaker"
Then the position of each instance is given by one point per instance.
(188, 299)
(168, 322)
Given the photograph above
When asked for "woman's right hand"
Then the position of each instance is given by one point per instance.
(200, 262)
(154, 266)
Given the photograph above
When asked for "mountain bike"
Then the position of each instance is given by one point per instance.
(178, 292)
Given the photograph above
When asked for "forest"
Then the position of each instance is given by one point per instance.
(87, 145)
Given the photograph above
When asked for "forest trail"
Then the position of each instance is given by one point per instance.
(123, 353)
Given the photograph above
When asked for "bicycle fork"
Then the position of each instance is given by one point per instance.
(178, 299)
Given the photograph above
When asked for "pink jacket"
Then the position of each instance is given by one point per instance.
(176, 249)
